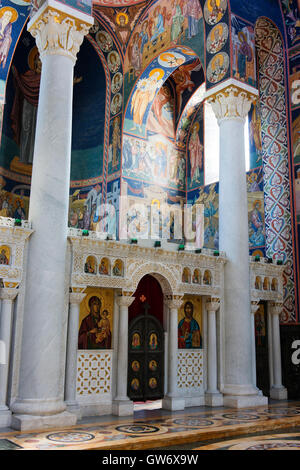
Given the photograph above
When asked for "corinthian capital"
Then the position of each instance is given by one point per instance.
(232, 101)
(56, 32)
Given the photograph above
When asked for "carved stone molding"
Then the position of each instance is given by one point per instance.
(57, 33)
(212, 305)
(76, 297)
(276, 308)
(231, 103)
(174, 302)
(8, 293)
(125, 300)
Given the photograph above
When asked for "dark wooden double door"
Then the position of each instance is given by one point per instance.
(145, 358)
(262, 351)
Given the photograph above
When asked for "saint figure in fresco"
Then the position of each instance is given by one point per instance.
(188, 329)
(196, 153)
(245, 55)
(191, 10)
(24, 110)
(116, 141)
(8, 16)
(158, 26)
(177, 21)
(3, 257)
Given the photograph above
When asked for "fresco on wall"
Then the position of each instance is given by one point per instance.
(297, 191)
(209, 196)
(163, 26)
(290, 9)
(217, 43)
(195, 149)
(84, 207)
(161, 118)
(243, 46)
(190, 323)
(186, 80)
(187, 116)
(96, 319)
(296, 134)
(150, 81)
(161, 202)
(121, 21)
(13, 15)
(255, 142)
(114, 152)
(154, 160)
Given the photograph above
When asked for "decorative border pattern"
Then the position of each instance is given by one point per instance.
(279, 240)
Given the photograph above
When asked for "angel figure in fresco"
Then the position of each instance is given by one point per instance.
(182, 78)
(162, 111)
(196, 153)
(8, 16)
(143, 95)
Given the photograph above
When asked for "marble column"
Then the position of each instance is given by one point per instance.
(172, 401)
(231, 102)
(7, 296)
(122, 406)
(59, 33)
(213, 397)
(72, 347)
(277, 391)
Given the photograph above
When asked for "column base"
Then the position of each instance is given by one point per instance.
(5, 418)
(173, 403)
(74, 408)
(278, 393)
(244, 401)
(213, 399)
(33, 422)
(122, 408)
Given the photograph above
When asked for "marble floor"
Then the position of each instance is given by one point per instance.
(274, 426)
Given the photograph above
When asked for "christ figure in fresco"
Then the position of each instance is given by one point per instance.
(188, 329)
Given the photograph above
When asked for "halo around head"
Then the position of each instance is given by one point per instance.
(13, 12)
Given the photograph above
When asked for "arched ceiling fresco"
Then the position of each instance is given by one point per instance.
(149, 83)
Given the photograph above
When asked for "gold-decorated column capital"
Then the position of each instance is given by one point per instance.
(174, 302)
(59, 31)
(231, 100)
(212, 305)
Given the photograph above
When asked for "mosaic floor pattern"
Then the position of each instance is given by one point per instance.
(290, 441)
(170, 429)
